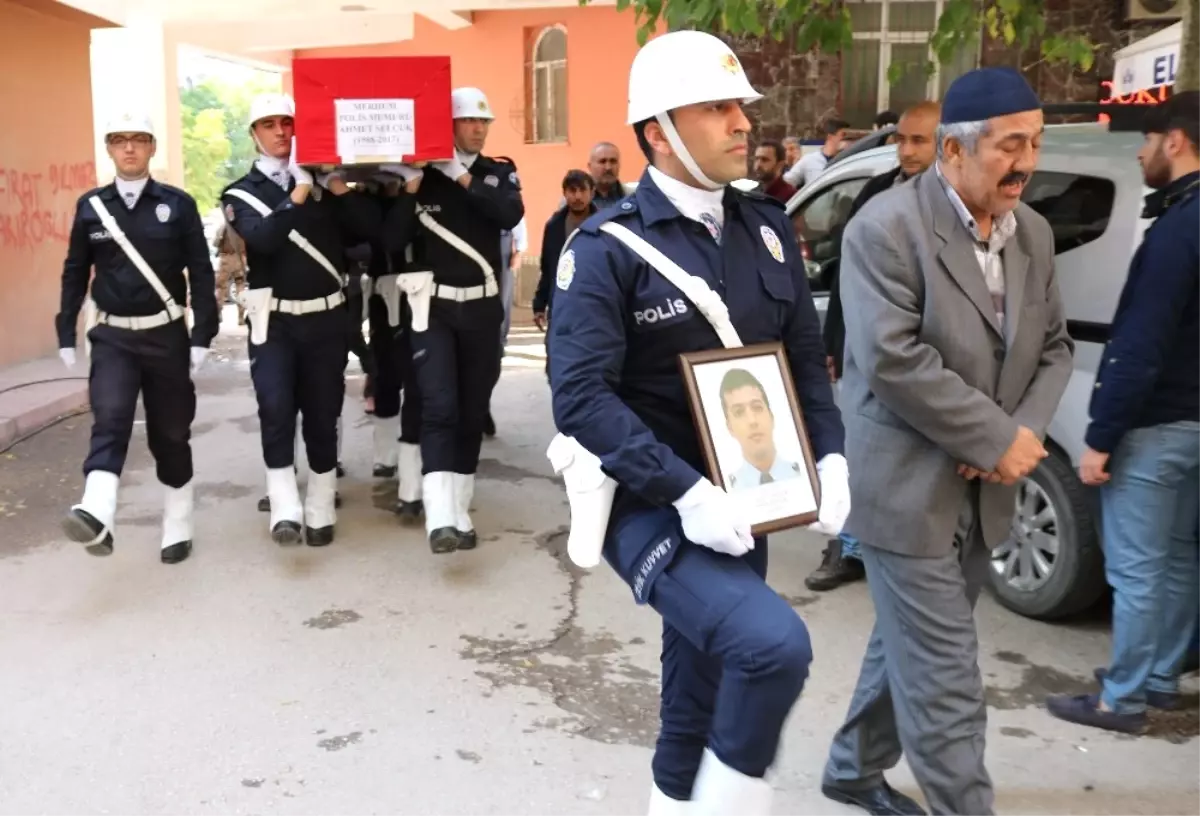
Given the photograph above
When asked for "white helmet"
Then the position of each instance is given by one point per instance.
(469, 103)
(129, 123)
(684, 68)
(270, 104)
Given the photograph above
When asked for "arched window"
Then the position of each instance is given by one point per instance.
(548, 80)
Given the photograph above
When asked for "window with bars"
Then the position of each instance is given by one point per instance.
(894, 31)
(547, 120)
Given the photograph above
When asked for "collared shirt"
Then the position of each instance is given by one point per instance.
(987, 251)
(749, 476)
(613, 197)
(275, 169)
(131, 191)
(807, 168)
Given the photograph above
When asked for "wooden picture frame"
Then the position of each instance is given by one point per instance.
(791, 494)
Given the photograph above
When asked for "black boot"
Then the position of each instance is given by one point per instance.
(287, 534)
(176, 552)
(82, 527)
(318, 537)
(444, 540)
(468, 540)
(410, 513)
(834, 570)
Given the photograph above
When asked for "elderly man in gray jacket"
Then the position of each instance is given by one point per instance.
(956, 357)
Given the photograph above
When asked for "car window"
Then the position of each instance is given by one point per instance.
(1078, 207)
(819, 221)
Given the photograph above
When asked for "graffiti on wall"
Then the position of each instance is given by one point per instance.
(37, 205)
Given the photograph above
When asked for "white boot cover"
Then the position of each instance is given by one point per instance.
(409, 472)
(386, 447)
(464, 492)
(177, 515)
(320, 510)
(663, 805)
(100, 500)
(721, 791)
(284, 495)
(439, 500)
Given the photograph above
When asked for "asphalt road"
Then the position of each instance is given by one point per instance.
(374, 677)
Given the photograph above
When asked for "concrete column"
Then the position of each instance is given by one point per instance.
(136, 68)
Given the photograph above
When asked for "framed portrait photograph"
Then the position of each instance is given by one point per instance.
(752, 433)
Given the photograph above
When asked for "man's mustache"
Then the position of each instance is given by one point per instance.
(1014, 177)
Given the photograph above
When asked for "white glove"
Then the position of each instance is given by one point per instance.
(402, 170)
(324, 178)
(453, 169)
(67, 355)
(301, 175)
(712, 519)
(835, 494)
(199, 355)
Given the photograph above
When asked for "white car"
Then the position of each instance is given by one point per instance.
(1089, 187)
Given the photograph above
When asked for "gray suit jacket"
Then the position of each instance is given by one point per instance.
(930, 379)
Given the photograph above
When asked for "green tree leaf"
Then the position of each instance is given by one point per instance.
(825, 25)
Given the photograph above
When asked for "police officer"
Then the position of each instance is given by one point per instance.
(456, 209)
(735, 655)
(397, 400)
(140, 235)
(295, 232)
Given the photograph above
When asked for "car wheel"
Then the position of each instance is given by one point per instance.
(1051, 566)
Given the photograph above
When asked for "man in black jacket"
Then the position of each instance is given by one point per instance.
(1143, 441)
(916, 150)
(578, 193)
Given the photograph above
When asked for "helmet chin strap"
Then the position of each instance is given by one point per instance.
(664, 121)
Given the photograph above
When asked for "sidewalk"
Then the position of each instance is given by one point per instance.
(34, 394)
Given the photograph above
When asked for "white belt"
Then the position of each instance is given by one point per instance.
(136, 323)
(300, 307)
(461, 293)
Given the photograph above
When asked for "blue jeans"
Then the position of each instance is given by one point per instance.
(1151, 520)
(850, 547)
(1194, 646)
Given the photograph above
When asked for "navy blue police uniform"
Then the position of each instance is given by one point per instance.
(393, 344)
(150, 355)
(301, 365)
(456, 360)
(735, 655)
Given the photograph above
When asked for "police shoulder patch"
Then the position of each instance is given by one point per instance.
(229, 213)
(774, 246)
(566, 270)
(514, 180)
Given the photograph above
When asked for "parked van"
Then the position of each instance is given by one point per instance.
(1089, 187)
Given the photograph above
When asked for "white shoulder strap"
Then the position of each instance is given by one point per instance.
(458, 243)
(293, 236)
(695, 289)
(173, 309)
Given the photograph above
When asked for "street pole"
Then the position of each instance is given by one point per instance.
(1187, 77)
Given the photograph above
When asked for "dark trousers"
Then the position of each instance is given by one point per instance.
(356, 343)
(735, 658)
(301, 367)
(389, 365)
(156, 363)
(457, 362)
(391, 347)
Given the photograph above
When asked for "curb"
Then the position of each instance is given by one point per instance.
(13, 429)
